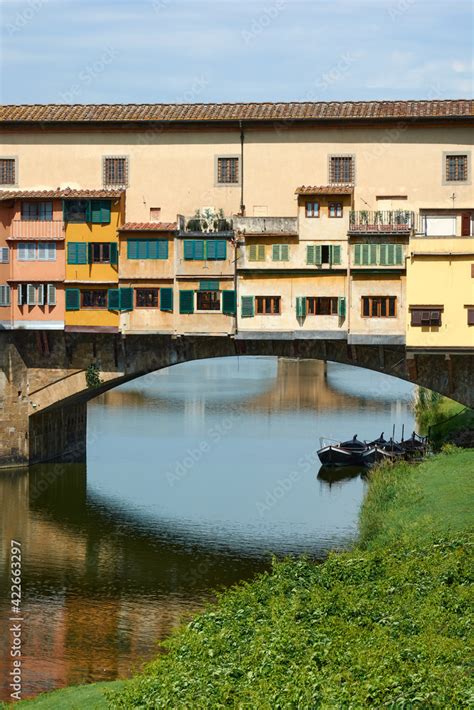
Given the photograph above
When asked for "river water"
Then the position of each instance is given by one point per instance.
(195, 476)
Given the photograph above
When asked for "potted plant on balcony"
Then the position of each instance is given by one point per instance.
(195, 223)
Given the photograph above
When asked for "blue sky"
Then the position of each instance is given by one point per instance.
(106, 51)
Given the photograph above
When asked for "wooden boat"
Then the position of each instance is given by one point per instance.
(346, 453)
(415, 446)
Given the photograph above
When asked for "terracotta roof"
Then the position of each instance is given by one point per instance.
(296, 111)
(58, 193)
(148, 227)
(325, 190)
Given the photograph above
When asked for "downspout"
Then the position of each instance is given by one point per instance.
(242, 205)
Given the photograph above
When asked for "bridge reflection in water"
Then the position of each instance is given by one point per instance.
(115, 558)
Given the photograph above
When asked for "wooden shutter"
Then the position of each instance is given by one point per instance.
(96, 212)
(30, 295)
(336, 254)
(261, 252)
(73, 299)
(77, 253)
(5, 296)
(341, 307)
(310, 254)
(465, 224)
(247, 309)
(19, 292)
(383, 254)
(416, 317)
(142, 246)
(300, 306)
(132, 249)
(357, 254)
(198, 249)
(71, 253)
(252, 252)
(318, 255)
(373, 254)
(188, 249)
(365, 254)
(209, 285)
(152, 248)
(4, 255)
(390, 254)
(105, 209)
(113, 299)
(162, 249)
(399, 254)
(211, 249)
(114, 253)
(51, 295)
(221, 249)
(166, 299)
(276, 252)
(40, 294)
(186, 301)
(284, 252)
(126, 299)
(228, 303)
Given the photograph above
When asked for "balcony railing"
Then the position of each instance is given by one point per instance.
(209, 224)
(381, 222)
(26, 229)
(267, 225)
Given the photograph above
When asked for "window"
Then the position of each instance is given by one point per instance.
(341, 169)
(155, 214)
(322, 306)
(26, 251)
(4, 255)
(147, 249)
(425, 316)
(36, 294)
(335, 209)
(94, 298)
(256, 252)
(456, 168)
(146, 297)
(318, 254)
(100, 253)
(47, 251)
(37, 211)
(115, 171)
(94, 211)
(470, 316)
(378, 254)
(202, 250)
(77, 253)
(379, 306)
(208, 301)
(312, 209)
(267, 305)
(7, 171)
(4, 296)
(280, 252)
(228, 171)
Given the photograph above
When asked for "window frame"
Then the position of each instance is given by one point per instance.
(333, 305)
(342, 156)
(154, 290)
(274, 300)
(37, 204)
(453, 154)
(377, 301)
(217, 182)
(94, 307)
(335, 205)
(100, 246)
(426, 322)
(126, 182)
(14, 159)
(214, 294)
(31, 245)
(310, 214)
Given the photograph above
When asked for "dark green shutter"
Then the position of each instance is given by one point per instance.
(373, 254)
(383, 254)
(162, 249)
(209, 285)
(126, 299)
(247, 306)
(211, 249)
(88, 211)
(105, 209)
(77, 253)
(390, 254)
(198, 249)
(300, 306)
(96, 211)
(152, 249)
(221, 249)
(365, 254)
(276, 252)
(284, 252)
(166, 299)
(142, 249)
(341, 307)
(132, 249)
(260, 252)
(357, 254)
(188, 249)
(73, 299)
(229, 303)
(186, 301)
(114, 254)
(72, 253)
(89, 253)
(113, 299)
(310, 254)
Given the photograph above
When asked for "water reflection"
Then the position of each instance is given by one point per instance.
(194, 476)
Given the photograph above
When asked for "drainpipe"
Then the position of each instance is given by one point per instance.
(242, 205)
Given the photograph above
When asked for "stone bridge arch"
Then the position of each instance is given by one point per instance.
(44, 391)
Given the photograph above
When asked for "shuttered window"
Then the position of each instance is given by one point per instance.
(77, 211)
(186, 301)
(94, 298)
(209, 285)
(378, 254)
(4, 296)
(147, 249)
(335, 209)
(120, 299)
(256, 252)
(280, 252)
(200, 250)
(51, 294)
(4, 255)
(100, 211)
(77, 253)
(427, 316)
(208, 301)
(229, 303)
(115, 170)
(166, 299)
(247, 306)
(146, 297)
(73, 296)
(318, 254)
(26, 251)
(321, 305)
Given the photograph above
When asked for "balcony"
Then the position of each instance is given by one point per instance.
(269, 226)
(203, 223)
(41, 230)
(380, 222)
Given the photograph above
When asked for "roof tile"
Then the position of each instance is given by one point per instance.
(148, 227)
(325, 190)
(58, 193)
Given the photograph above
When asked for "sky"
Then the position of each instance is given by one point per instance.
(193, 51)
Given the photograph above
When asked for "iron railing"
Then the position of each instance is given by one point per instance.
(205, 224)
(381, 222)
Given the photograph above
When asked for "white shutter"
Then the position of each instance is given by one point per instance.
(4, 295)
(51, 295)
(47, 251)
(4, 255)
(40, 295)
(19, 289)
(30, 295)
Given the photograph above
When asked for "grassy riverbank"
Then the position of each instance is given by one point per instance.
(385, 624)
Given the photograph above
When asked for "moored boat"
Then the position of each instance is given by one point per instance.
(346, 453)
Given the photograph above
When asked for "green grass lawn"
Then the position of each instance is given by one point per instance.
(90, 697)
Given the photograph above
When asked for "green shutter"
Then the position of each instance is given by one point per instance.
(276, 252)
(126, 299)
(72, 253)
(247, 306)
(188, 249)
(162, 249)
(96, 212)
(383, 254)
(209, 285)
(198, 250)
(166, 299)
(114, 253)
(341, 307)
(142, 247)
(105, 209)
(132, 249)
(221, 249)
(88, 211)
(284, 252)
(399, 254)
(228, 303)
(260, 252)
(335, 254)
(365, 254)
(211, 249)
(300, 306)
(310, 254)
(373, 254)
(113, 299)
(318, 255)
(390, 254)
(77, 253)
(357, 254)
(186, 301)
(252, 252)
(73, 299)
